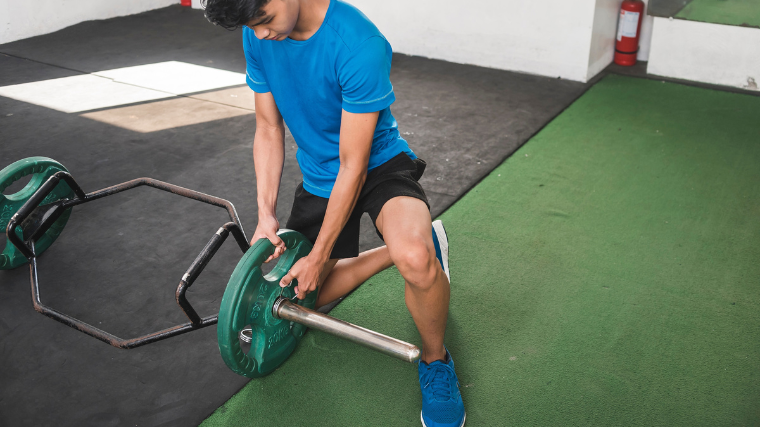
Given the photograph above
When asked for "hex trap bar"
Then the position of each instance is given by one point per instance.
(35, 220)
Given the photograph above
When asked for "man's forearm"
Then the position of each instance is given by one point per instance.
(343, 198)
(268, 160)
(356, 135)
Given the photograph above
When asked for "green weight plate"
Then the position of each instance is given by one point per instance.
(41, 168)
(248, 301)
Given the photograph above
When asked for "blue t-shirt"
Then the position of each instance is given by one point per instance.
(345, 65)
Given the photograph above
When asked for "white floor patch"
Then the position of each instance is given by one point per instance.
(174, 77)
(79, 93)
(122, 86)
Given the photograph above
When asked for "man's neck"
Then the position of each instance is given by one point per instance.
(311, 14)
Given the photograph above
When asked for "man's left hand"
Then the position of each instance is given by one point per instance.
(307, 271)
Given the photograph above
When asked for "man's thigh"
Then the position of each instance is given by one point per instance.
(329, 265)
(405, 221)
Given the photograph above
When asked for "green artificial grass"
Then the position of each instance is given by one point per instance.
(607, 274)
(730, 12)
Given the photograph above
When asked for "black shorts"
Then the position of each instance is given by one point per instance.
(398, 176)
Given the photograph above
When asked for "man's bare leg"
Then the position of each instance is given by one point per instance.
(406, 227)
(347, 274)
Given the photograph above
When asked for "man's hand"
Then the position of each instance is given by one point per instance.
(308, 271)
(267, 229)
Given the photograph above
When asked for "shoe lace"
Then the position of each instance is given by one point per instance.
(438, 379)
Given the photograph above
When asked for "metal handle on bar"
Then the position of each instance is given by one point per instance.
(200, 263)
(33, 203)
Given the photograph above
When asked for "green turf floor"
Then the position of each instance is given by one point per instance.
(607, 274)
(731, 12)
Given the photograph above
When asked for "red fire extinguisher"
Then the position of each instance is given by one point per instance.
(629, 27)
(186, 2)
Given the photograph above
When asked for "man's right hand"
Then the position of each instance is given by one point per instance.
(267, 229)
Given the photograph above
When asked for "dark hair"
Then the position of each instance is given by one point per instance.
(231, 14)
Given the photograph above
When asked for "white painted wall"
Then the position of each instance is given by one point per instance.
(604, 31)
(20, 19)
(646, 35)
(548, 37)
(709, 53)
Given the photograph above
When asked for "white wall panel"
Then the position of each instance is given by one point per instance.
(604, 31)
(549, 37)
(709, 53)
(646, 35)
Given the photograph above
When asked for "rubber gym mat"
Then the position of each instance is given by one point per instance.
(605, 274)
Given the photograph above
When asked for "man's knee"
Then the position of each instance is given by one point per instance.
(416, 263)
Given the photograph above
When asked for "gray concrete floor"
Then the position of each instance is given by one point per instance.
(119, 260)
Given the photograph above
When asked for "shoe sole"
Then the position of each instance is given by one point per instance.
(443, 242)
(460, 425)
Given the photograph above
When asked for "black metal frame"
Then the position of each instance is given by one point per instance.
(35, 220)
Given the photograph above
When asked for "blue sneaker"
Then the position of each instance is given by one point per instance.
(441, 243)
(442, 404)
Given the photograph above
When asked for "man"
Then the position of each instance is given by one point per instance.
(324, 68)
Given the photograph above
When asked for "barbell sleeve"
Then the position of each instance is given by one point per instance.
(283, 308)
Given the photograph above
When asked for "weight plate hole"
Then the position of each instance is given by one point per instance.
(267, 267)
(17, 186)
